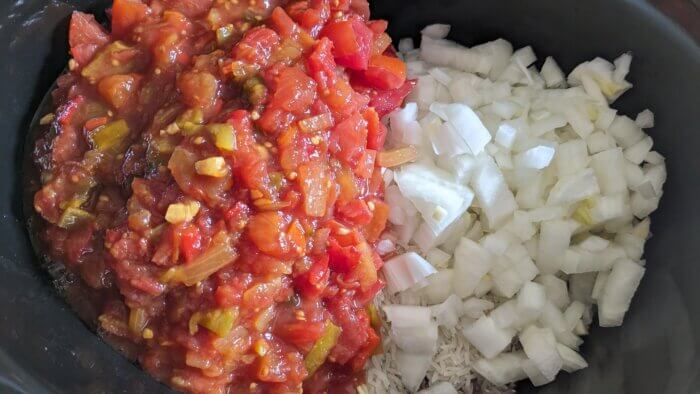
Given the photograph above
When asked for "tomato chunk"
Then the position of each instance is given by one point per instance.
(352, 42)
(349, 139)
(85, 37)
(385, 72)
(126, 14)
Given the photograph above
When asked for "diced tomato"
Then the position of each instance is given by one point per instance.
(341, 98)
(352, 42)
(365, 166)
(342, 259)
(295, 91)
(126, 14)
(85, 37)
(380, 44)
(190, 242)
(274, 120)
(227, 296)
(366, 271)
(191, 8)
(349, 139)
(241, 122)
(356, 212)
(118, 89)
(358, 362)
(321, 63)
(253, 171)
(386, 101)
(376, 226)
(378, 26)
(349, 318)
(296, 239)
(200, 89)
(314, 181)
(376, 131)
(385, 72)
(313, 282)
(300, 333)
(237, 216)
(361, 7)
(347, 182)
(266, 230)
(312, 18)
(282, 23)
(256, 45)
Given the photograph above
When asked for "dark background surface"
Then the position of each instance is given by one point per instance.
(44, 348)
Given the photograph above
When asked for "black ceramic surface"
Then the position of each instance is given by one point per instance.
(45, 348)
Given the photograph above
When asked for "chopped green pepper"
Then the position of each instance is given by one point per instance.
(112, 59)
(322, 348)
(224, 136)
(224, 35)
(73, 216)
(218, 321)
(190, 121)
(112, 137)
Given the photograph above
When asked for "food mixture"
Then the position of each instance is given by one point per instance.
(212, 171)
(215, 179)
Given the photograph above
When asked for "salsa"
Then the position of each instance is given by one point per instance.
(211, 173)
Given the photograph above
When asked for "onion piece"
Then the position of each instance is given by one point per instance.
(440, 388)
(488, 338)
(502, 369)
(435, 193)
(471, 263)
(617, 294)
(412, 368)
(405, 271)
(407, 315)
(540, 346)
(466, 123)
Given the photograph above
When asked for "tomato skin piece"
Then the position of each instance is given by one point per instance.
(85, 37)
(349, 139)
(352, 42)
(356, 212)
(126, 14)
(376, 131)
(385, 72)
